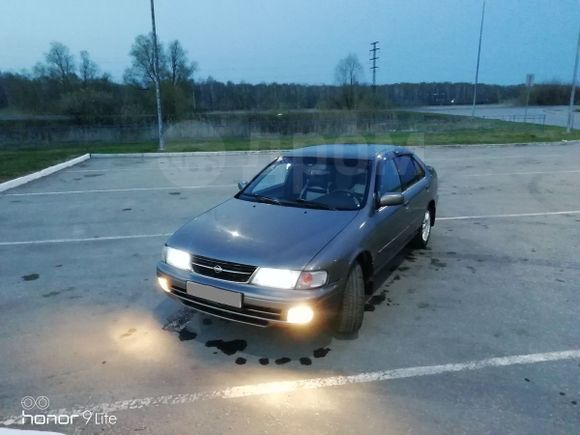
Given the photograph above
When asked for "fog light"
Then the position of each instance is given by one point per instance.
(164, 283)
(301, 314)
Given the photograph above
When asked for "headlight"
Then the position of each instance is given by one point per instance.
(177, 258)
(276, 278)
(288, 279)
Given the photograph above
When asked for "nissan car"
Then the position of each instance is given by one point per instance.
(303, 241)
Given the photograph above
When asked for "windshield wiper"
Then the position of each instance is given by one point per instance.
(313, 204)
(263, 198)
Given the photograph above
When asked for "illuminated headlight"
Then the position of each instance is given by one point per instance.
(288, 279)
(300, 314)
(177, 258)
(276, 278)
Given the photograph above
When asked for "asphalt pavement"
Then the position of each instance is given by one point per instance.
(478, 334)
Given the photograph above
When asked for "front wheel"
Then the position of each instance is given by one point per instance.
(350, 315)
(422, 238)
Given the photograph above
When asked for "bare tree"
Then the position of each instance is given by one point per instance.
(180, 69)
(142, 70)
(87, 69)
(60, 62)
(348, 74)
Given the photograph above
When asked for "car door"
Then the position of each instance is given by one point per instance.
(390, 221)
(415, 190)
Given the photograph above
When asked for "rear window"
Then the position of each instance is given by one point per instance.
(409, 170)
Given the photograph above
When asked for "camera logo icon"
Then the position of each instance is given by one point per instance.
(41, 402)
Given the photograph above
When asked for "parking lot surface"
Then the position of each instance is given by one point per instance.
(478, 334)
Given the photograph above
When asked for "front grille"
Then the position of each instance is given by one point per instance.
(222, 269)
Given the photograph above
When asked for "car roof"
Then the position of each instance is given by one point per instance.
(346, 151)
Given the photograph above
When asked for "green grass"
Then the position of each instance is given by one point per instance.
(17, 162)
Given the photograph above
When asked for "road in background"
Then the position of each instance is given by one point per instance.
(554, 115)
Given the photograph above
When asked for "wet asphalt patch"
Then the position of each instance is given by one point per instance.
(178, 323)
(57, 292)
(228, 347)
(437, 263)
(129, 333)
(31, 277)
(186, 335)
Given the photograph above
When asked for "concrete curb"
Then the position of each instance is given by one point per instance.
(185, 154)
(10, 184)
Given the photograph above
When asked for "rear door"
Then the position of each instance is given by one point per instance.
(414, 185)
(391, 221)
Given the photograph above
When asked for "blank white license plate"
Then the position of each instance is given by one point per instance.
(213, 294)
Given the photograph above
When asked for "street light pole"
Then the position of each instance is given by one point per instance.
(156, 80)
(477, 66)
(573, 91)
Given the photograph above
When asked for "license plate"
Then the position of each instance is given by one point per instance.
(213, 294)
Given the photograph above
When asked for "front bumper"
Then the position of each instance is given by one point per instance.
(260, 306)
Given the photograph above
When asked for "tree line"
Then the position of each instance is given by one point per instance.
(75, 86)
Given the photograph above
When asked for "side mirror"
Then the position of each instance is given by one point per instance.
(242, 184)
(391, 199)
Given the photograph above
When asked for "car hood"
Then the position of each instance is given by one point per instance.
(261, 234)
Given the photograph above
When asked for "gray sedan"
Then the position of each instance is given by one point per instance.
(303, 240)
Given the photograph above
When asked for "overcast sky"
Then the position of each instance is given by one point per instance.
(302, 40)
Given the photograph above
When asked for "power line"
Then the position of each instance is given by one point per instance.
(570, 126)
(374, 59)
(156, 74)
(478, 56)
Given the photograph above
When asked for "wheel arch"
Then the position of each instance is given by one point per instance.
(365, 259)
(433, 209)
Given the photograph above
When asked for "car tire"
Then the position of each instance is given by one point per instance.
(350, 314)
(423, 235)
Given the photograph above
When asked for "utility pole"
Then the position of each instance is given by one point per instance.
(156, 80)
(573, 91)
(374, 59)
(478, 56)
(529, 84)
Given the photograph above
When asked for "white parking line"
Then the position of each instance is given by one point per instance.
(131, 189)
(509, 215)
(312, 384)
(147, 236)
(497, 157)
(519, 173)
(86, 239)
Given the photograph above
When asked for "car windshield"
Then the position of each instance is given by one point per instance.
(312, 182)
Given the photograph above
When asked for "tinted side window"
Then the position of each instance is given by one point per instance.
(420, 171)
(407, 170)
(389, 180)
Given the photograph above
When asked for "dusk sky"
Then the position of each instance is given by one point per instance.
(302, 40)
